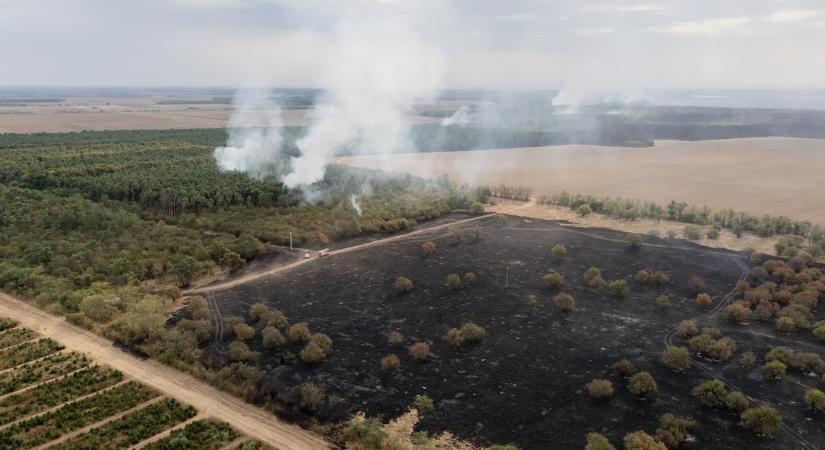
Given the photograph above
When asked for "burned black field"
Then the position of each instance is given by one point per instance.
(525, 381)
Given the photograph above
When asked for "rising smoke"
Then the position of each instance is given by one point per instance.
(374, 73)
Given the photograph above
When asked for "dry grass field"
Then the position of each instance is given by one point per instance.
(777, 176)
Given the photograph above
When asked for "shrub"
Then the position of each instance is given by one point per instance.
(596, 441)
(711, 393)
(785, 325)
(323, 341)
(454, 337)
(673, 430)
(364, 433)
(687, 328)
(239, 351)
(692, 232)
(299, 332)
(703, 299)
(243, 331)
(476, 208)
(748, 359)
(403, 285)
(639, 440)
(311, 396)
(472, 332)
(642, 276)
(424, 404)
(559, 250)
(819, 332)
(593, 278)
(762, 420)
(395, 339)
(600, 389)
(624, 367)
(663, 302)
(643, 385)
(272, 337)
(277, 319)
(722, 349)
(565, 301)
(775, 369)
(696, 283)
(619, 288)
(676, 358)
(634, 242)
(815, 399)
(258, 311)
(737, 401)
(390, 363)
(584, 209)
(739, 312)
(554, 280)
(453, 282)
(713, 234)
(469, 279)
(429, 248)
(312, 353)
(420, 351)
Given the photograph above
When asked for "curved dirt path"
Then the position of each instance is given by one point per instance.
(209, 401)
(257, 275)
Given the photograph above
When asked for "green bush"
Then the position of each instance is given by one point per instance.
(639, 440)
(674, 430)
(403, 285)
(692, 232)
(624, 367)
(584, 210)
(815, 399)
(711, 393)
(453, 282)
(596, 441)
(762, 420)
(559, 250)
(565, 301)
(619, 288)
(676, 358)
(554, 280)
(424, 404)
(643, 385)
(600, 389)
(775, 370)
(737, 401)
(272, 337)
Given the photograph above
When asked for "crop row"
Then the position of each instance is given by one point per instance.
(199, 435)
(44, 369)
(53, 393)
(15, 336)
(50, 426)
(29, 351)
(133, 428)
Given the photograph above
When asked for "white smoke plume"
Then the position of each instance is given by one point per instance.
(378, 68)
(460, 117)
(255, 137)
(353, 200)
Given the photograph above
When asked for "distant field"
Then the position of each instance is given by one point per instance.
(759, 175)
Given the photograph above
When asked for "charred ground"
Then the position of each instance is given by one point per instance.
(524, 382)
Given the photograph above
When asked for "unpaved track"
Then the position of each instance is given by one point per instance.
(209, 401)
(254, 276)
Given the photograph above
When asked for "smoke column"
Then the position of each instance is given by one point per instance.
(377, 68)
(255, 137)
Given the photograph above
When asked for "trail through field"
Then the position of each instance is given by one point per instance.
(246, 418)
(264, 273)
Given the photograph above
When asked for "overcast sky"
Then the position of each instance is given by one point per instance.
(482, 43)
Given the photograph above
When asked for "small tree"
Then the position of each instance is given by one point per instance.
(565, 301)
(476, 208)
(395, 339)
(762, 420)
(559, 251)
(584, 209)
(469, 279)
(643, 385)
(272, 337)
(619, 288)
(819, 332)
(711, 393)
(785, 325)
(554, 280)
(472, 332)
(634, 242)
(453, 282)
(424, 404)
(737, 401)
(403, 285)
(323, 341)
(815, 399)
(673, 430)
(299, 332)
(186, 269)
(312, 353)
(429, 248)
(391, 363)
(258, 311)
(676, 358)
(663, 302)
(775, 369)
(696, 283)
(747, 360)
(596, 441)
(600, 389)
(624, 367)
(687, 328)
(277, 319)
(420, 351)
(243, 331)
(739, 312)
(639, 440)
(703, 300)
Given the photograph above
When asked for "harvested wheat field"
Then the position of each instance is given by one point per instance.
(777, 176)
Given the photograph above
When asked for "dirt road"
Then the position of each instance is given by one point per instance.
(246, 418)
(254, 276)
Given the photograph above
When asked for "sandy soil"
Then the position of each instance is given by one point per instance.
(758, 175)
(726, 239)
(209, 401)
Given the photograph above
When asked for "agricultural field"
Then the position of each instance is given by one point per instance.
(325, 347)
(52, 398)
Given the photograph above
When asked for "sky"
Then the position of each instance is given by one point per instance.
(570, 44)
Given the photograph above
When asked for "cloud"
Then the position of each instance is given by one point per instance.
(517, 17)
(638, 8)
(708, 26)
(792, 15)
(593, 31)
